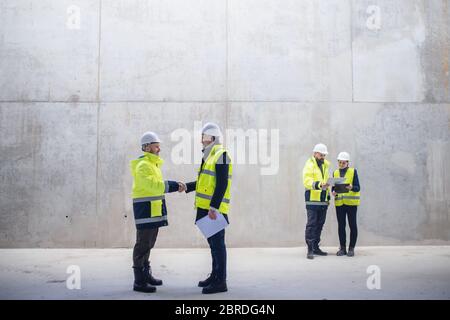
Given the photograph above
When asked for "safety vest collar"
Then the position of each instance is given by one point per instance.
(325, 166)
(215, 149)
(153, 158)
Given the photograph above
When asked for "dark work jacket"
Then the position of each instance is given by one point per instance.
(142, 210)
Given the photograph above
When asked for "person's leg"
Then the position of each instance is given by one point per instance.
(212, 276)
(341, 218)
(311, 227)
(353, 226)
(321, 217)
(140, 253)
(213, 256)
(147, 266)
(221, 255)
(153, 235)
(141, 249)
(218, 251)
(310, 231)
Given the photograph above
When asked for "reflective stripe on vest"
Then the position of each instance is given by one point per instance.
(147, 199)
(205, 196)
(211, 173)
(316, 203)
(150, 220)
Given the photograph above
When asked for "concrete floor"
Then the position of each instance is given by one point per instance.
(265, 273)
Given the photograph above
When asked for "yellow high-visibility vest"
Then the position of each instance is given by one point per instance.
(351, 198)
(206, 181)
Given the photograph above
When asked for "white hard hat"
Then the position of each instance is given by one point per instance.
(149, 137)
(345, 156)
(320, 148)
(212, 129)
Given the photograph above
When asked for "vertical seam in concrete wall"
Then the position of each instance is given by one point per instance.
(351, 46)
(98, 112)
(227, 97)
(99, 44)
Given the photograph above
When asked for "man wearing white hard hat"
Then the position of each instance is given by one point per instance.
(347, 203)
(212, 197)
(149, 208)
(317, 197)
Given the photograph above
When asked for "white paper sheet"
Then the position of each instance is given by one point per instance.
(334, 181)
(209, 227)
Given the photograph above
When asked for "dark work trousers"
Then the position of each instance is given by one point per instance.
(145, 241)
(342, 212)
(219, 255)
(316, 220)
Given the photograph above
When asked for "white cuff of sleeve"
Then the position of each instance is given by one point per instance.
(166, 186)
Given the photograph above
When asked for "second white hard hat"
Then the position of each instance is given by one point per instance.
(149, 137)
(212, 129)
(320, 148)
(344, 156)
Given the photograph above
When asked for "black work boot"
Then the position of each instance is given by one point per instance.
(351, 252)
(342, 251)
(140, 283)
(310, 254)
(207, 281)
(319, 252)
(216, 286)
(149, 278)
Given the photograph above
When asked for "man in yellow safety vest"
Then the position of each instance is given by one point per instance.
(317, 197)
(212, 197)
(149, 208)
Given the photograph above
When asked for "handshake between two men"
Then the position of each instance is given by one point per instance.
(212, 194)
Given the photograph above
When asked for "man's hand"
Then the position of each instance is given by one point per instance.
(212, 214)
(334, 193)
(324, 186)
(181, 187)
(349, 187)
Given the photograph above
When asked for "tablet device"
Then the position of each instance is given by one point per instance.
(341, 188)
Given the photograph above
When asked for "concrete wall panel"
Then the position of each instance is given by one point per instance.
(48, 164)
(76, 101)
(297, 51)
(49, 50)
(163, 50)
(401, 50)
